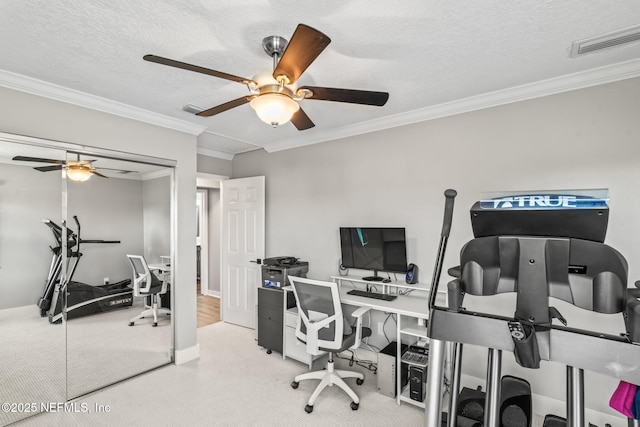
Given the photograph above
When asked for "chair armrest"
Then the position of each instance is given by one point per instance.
(359, 312)
(358, 315)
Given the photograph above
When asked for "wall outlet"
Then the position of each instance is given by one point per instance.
(106, 280)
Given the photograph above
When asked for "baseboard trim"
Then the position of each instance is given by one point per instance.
(187, 355)
(215, 294)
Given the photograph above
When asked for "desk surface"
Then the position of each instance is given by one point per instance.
(404, 304)
(160, 266)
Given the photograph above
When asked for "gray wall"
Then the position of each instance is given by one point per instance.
(59, 121)
(108, 209)
(156, 199)
(213, 165)
(26, 198)
(213, 195)
(396, 177)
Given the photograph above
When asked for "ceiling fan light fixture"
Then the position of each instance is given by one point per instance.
(273, 108)
(78, 173)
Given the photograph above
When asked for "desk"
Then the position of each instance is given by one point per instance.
(412, 311)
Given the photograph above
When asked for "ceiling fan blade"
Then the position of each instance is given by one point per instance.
(304, 47)
(301, 121)
(48, 168)
(346, 95)
(99, 174)
(196, 68)
(123, 171)
(38, 159)
(224, 107)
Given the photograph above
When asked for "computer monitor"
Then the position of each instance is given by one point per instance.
(374, 248)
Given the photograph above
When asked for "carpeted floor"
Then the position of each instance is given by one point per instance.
(41, 362)
(234, 383)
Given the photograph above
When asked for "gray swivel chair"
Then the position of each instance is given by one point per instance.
(147, 284)
(322, 328)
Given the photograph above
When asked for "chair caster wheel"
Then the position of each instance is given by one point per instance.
(155, 324)
(130, 323)
(355, 406)
(308, 409)
(268, 351)
(295, 384)
(359, 381)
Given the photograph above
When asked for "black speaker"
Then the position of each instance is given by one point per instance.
(412, 274)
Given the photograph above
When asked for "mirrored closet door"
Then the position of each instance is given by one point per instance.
(70, 224)
(121, 215)
(32, 351)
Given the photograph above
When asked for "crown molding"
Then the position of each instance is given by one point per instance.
(59, 93)
(211, 152)
(566, 83)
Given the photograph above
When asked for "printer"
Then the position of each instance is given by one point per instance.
(276, 270)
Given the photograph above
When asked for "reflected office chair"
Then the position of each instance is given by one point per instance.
(321, 326)
(147, 284)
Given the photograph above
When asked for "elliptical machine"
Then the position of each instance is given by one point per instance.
(82, 299)
(538, 246)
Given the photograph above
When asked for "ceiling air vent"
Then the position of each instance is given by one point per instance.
(605, 41)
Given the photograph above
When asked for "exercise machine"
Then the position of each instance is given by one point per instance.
(81, 299)
(538, 245)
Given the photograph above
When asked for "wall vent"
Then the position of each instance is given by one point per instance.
(605, 41)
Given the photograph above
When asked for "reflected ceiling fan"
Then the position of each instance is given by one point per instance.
(273, 95)
(78, 170)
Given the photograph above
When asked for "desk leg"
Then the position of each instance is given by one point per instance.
(435, 375)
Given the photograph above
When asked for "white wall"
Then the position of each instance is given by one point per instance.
(25, 114)
(582, 139)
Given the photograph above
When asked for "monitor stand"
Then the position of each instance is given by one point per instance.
(374, 278)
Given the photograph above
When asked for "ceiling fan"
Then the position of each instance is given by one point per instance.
(78, 170)
(273, 95)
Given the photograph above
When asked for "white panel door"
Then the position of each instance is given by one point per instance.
(243, 222)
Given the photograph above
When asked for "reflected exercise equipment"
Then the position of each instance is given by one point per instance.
(82, 299)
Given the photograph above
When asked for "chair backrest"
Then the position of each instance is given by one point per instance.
(320, 319)
(143, 279)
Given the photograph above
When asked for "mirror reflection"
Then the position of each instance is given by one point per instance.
(120, 211)
(67, 294)
(32, 351)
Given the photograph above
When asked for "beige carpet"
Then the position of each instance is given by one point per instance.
(41, 362)
(234, 383)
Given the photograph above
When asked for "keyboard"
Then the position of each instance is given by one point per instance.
(376, 295)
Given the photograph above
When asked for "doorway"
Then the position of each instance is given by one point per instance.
(208, 249)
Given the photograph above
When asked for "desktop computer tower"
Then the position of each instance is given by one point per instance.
(387, 362)
(417, 382)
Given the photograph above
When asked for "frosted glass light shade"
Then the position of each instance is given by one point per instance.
(78, 174)
(274, 109)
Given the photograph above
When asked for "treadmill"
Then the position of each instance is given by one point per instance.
(82, 299)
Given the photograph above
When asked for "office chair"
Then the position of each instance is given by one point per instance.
(322, 328)
(147, 284)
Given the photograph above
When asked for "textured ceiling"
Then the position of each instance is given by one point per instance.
(428, 54)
